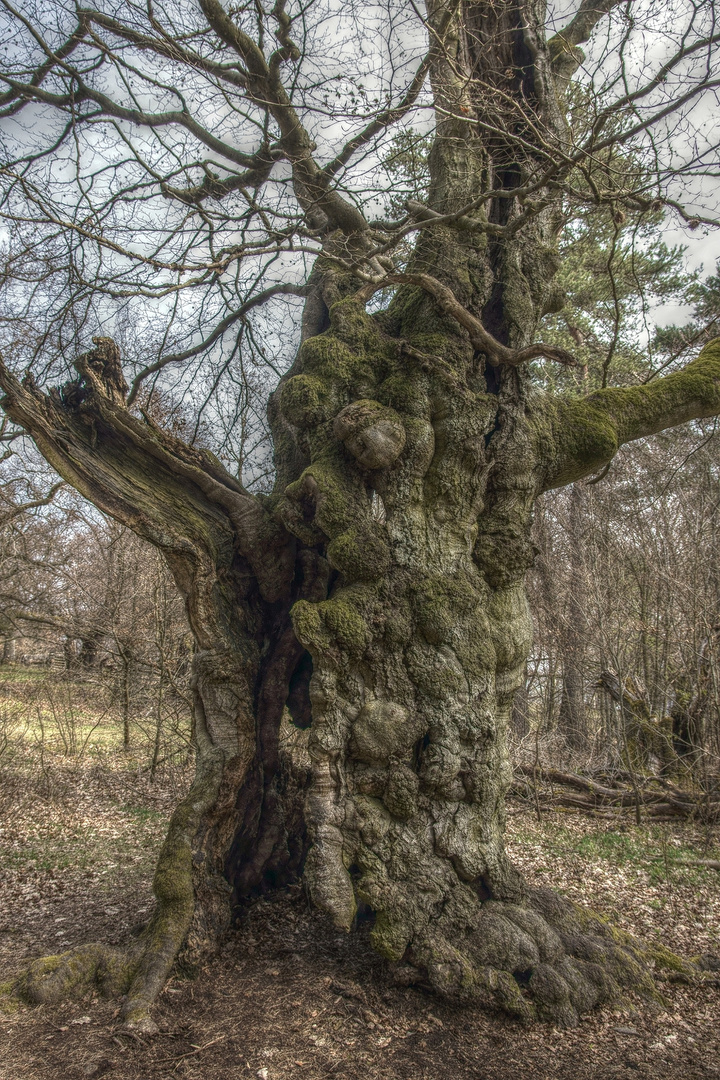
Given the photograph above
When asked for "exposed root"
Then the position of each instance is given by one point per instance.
(138, 974)
(54, 978)
(116, 973)
(542, 959)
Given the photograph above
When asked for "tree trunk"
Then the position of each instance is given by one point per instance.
(572, 721)
(647, 738)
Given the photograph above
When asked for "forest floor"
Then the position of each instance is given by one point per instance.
(286, 996)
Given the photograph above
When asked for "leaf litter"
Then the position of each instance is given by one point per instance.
(286, 996)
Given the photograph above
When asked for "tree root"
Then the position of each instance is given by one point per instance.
(138, 973)
(543, 958)
(135, 975)
(53, 978)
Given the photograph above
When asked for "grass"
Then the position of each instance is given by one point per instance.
(43, 711)
(71, 796)
(652, 847)
(17, 674)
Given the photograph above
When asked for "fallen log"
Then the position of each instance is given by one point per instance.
(589, 795)
(709, 864)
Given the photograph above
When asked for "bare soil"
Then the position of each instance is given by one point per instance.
(287, 996)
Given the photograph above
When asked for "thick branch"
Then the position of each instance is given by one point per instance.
(177, 497)
(586, 433)
(566, 55)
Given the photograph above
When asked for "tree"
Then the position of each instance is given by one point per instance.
(379, 587)
(29, 558)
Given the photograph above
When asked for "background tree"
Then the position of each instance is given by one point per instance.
(196, 163)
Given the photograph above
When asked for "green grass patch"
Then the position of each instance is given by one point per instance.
(649, 847)
(15, 673)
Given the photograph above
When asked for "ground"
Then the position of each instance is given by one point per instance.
(287, 996)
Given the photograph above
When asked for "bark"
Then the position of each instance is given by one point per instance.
(572, 718)
(647, 738)
(381, 589)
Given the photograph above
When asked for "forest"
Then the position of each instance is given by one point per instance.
(359, 518)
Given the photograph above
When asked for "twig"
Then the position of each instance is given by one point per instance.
(191, 1053)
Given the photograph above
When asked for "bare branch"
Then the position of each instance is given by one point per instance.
(495, 351)
(220, 329)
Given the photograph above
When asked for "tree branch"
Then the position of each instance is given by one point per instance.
(580, 436)
(565, 53)
(381, 121)
(177, 497)
(484, 342)
(217, 332)
(18, 510)
(265, 85)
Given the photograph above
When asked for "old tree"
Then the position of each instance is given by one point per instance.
(187, 163)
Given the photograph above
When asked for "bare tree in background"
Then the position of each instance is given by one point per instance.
(649, 582)
(183, 168)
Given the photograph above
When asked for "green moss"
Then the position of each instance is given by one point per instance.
(305, 400)
(666, 960)
(590, 431)
(390, 935)
(341, 499)
(309, 627)
(319, 626)
(54, 978)
(406, 394)
(350, 322)
(325, 499)
(361, 554)
(582, 435)
(9, 1001)
(343, 369)
(346, 624)
(417, 318)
